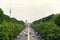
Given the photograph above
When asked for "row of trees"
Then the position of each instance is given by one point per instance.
(9, 27)
(48, 27)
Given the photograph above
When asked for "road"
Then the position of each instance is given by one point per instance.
(27, 34)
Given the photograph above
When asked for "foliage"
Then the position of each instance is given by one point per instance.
(9, 27)
(48, 27)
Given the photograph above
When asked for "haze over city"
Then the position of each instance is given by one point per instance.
(30, 9)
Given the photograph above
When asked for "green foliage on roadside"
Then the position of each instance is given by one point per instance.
(48, 27)
(9, 27)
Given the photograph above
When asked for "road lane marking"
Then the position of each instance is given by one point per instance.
(28, 38)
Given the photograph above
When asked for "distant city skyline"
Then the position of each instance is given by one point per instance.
(30, 10)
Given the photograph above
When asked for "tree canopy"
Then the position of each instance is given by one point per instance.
(9, 27)
(48, 27)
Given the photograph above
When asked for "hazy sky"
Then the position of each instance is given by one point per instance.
(30, 9)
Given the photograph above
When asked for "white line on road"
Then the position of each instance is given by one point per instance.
(28, 37)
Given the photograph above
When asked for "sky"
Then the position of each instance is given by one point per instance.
(30, 10)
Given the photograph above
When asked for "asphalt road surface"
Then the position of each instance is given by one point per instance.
(28, 34)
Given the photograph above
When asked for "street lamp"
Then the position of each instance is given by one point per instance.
(10, 11)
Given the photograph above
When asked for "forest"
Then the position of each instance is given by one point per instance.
(48, 27)
(9, 27)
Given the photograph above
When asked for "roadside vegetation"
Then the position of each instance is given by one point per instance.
(48, 27)
(9, 27)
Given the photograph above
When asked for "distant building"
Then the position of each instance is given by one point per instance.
(27, 23)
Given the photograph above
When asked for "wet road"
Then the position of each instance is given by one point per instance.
(27, 34)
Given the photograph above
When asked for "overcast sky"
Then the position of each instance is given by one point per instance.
(30, 9)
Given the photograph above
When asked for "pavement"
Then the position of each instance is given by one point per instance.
(28, 34)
